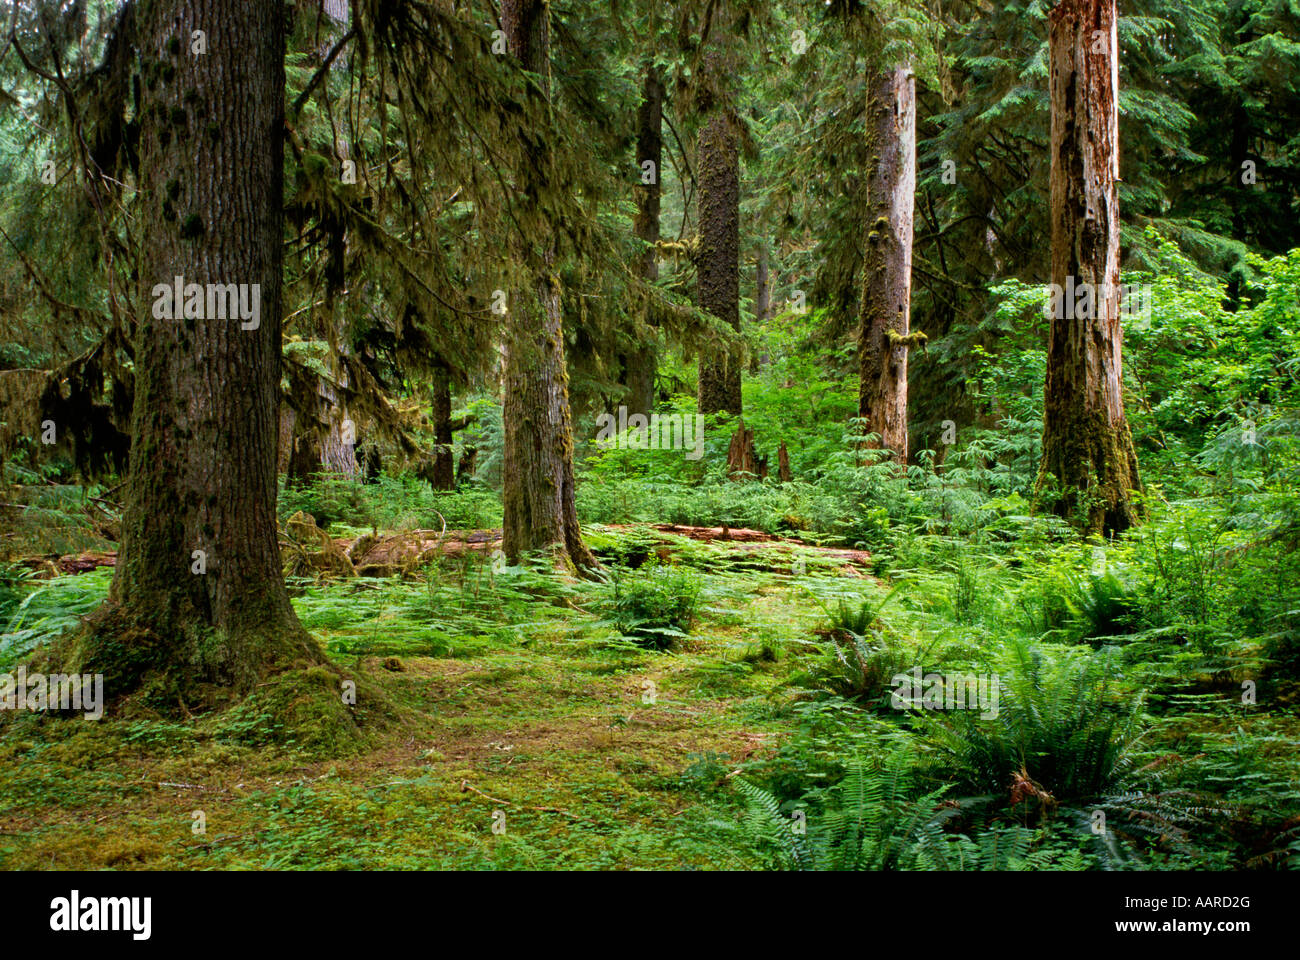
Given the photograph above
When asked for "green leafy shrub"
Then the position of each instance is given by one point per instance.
(655, 605)
(871, 821)
(1061, 733)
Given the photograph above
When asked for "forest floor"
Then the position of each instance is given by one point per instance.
(536, 733)
(531, 740)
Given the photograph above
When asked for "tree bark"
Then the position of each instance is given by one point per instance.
(443, 476)
(639, 363)
(1088, 451)
(887, 269)
(783, 464)
(762, 301)
(718, 261)
(538, 495)
(203, 461)
(743, 461)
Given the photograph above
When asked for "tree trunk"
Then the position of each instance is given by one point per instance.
(887, 269)
(743, 462)
(1087, 448)
(783, 464)
(337, 451)
(538, 495)
(762, 301)
(640, 362)
(466, 465)
(443, 476)
(201, 491)
(718, 263)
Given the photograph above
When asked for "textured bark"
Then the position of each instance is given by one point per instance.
(284, 449)
(718, 262)
(443, 476)
(639, 363)
(762, 301)
(336, 455)
(1087, 447)
(466, 465)
(206, 418)
(783, 464)
(538, 494)
(887, 268)
(743, 462)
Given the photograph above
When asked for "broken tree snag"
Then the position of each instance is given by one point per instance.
(1088, 456)
(884, 339)
(742, 461)
(783, 464)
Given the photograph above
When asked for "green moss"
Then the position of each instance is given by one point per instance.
(192, 228)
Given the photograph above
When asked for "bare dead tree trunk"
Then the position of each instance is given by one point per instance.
(743, 461)
(1088, 454)
(783, 464)
(884, 336)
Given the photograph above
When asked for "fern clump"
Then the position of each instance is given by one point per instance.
(857, 657)
(655, 605)
(872, 820)
(1062, 733)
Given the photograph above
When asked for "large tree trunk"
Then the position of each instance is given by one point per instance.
(640, 362)
(201, 491)
(1087, 449)
(718, 262)
(762, 301)
(884, 337)
(538, 495)
(443, 476)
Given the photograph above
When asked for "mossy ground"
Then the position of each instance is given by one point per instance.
(481, 690)
(599, 755)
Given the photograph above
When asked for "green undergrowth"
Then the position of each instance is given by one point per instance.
(692, 706)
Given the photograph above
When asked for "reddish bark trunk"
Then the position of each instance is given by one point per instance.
(887, 269)
(1088, 454)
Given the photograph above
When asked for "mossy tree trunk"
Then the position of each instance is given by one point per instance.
(718, 259)
(538, 480)
(887, 268)
(639, 363)
(1088, 456)
(201, 491)
(443, 475)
